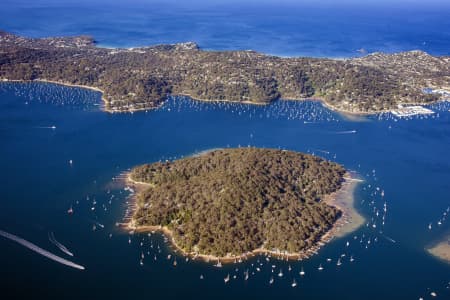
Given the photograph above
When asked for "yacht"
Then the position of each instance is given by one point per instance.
(294, 283)
(280, 274)
(226, 279)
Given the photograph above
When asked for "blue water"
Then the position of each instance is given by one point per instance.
(407, 158)
(288, 28)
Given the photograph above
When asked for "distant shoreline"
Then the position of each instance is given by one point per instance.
(343, 199)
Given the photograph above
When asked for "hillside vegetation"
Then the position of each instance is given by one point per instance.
(236, 200)
(141, 78)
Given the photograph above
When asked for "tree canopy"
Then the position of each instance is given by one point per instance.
(229, 202)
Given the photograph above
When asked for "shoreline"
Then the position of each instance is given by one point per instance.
(92, 88)
(106, 102)
(342, 199)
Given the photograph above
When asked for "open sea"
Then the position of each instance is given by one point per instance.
(59, 150)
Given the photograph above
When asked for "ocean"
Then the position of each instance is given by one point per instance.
(59, 150)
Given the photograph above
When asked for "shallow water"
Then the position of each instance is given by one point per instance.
(408, 159)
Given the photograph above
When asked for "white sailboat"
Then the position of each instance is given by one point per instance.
(302, 272)
(294, 283)
(280, 274)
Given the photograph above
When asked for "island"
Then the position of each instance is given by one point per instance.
(229, 204)
(142, 78)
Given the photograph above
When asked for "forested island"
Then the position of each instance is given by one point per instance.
(142, 78)
(230, 202)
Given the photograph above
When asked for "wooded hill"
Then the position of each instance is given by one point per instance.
(141, 78)
(236, 200)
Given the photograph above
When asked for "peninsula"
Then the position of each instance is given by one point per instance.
(229, 203)
(142, 78)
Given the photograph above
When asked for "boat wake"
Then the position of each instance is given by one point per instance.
(46, 127)
(60, 246)
(346, 132)
(39, 250)
(389, 239)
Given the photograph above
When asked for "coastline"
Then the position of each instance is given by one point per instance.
(342, 199)
(350, 114)
(441, 250)
(92, 88)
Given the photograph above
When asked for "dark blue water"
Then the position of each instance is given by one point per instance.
(407, 158)
(290, 28)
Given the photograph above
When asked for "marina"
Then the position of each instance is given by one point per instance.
(409, 111)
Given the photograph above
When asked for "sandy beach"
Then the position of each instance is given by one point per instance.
(343, 199)
(441, 250)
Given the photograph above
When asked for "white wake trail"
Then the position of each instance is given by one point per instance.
(346, 132)
(39, 250)
(61, 247)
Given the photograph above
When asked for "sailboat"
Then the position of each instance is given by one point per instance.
(226, 279)
(351, 258)
(339, 262)
(70, 210)
(280, 274)
(271, 280)
(302, 272)
(294, 283)
(320, 268)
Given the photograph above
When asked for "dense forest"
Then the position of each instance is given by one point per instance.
(141, 78)
(229, 202)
